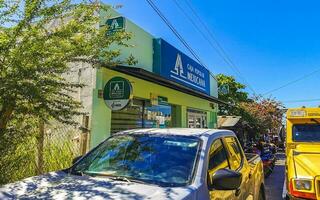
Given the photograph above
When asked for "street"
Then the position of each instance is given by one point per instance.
(274, 183)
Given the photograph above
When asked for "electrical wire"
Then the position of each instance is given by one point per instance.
(219, 49)
(301, 100)
(177, 34)
(292, 82)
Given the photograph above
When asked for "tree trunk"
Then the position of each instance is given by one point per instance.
(40, 145)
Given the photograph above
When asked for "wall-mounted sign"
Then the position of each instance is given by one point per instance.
(117, 93)
(158, 100)
(162, 100)
(115, 24)
(174, 65)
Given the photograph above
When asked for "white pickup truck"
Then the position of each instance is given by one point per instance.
(153, 164)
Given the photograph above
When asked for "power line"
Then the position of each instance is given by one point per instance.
(176, 33)
(301, 100)
(222, 53)
(292, 82)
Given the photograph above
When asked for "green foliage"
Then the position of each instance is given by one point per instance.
(58, 156)
(260, 115)
(38, 41)
(19, 163)
(263, 114)
(19, 152)
(235, 96)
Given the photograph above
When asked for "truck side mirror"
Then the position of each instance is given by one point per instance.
(226, 179)
(74, 160)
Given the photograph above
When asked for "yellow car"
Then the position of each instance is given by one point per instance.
(303, 154)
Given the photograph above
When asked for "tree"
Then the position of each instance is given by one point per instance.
(263, 114)
(38, 39)
(234, 97)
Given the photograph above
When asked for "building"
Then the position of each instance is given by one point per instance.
(166, 88)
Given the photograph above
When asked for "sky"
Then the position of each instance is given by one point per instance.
(271, 42)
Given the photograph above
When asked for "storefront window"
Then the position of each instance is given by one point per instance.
(141, 114)
(128, 118)
(196, 119)
(158, 116)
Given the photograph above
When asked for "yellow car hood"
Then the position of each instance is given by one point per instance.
(307, 160)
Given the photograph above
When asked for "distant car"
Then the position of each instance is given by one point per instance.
(153, 164)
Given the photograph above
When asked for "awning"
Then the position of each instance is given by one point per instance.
(155, 78)
(228, 121)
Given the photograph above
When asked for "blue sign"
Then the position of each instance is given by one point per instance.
(178, 67)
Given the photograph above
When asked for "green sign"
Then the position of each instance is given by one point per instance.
(117, 93)
(162, 100)
(115, 24)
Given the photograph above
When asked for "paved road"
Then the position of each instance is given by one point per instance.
(274, 183)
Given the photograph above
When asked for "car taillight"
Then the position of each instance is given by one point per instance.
(300, 194)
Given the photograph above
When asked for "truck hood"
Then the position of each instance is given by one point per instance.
(60, 185)
(306, 160)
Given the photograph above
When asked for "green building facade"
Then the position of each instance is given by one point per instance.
(168, 88)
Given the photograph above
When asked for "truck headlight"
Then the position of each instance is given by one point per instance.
(303, 184)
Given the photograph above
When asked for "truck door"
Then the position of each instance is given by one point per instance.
(218, 160)
(238, 163)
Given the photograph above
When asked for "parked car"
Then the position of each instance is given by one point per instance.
(153, 164)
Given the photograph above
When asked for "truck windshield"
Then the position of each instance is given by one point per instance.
(154, 159)
(306, 133)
